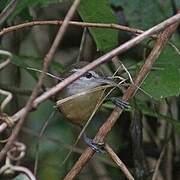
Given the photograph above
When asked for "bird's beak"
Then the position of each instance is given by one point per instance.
(106, 80)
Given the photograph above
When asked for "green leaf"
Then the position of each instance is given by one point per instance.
(100, 12)
(147, 111)
(164, 79)
(140, 105)
(144, 13)
(35, 62)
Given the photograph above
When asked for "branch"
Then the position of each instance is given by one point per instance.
(107, 126)
(74, 23)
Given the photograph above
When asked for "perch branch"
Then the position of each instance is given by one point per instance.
(73, 23)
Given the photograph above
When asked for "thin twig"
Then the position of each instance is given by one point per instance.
(174, 47)
(49, 74)
(74, 23)
(81, 48)
(107, 126)
(118, 161)
(35, 92)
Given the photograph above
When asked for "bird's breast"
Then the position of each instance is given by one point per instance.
(79, 109)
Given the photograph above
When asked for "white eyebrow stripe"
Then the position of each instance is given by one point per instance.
(94, 74)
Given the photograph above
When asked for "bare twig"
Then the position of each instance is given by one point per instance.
(49, 74)
(118, 161)
(82, 44)
(35, 92)
(107, 126)
(174, 47)
(124, 47)
(74, 23)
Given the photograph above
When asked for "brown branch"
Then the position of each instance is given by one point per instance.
(107, 126)
(74, 23)
(118, 161)
(35, 92)
(124, 47)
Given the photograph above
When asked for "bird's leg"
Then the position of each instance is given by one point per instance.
(119, 102)
(98, 147)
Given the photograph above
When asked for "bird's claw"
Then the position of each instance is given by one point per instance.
(98, 147)
(120, 103)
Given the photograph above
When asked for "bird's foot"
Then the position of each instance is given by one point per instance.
(120, 103)
(98, 147)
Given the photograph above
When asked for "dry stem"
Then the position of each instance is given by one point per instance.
(74, 23)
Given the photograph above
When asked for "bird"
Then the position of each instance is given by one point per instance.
(79, 99)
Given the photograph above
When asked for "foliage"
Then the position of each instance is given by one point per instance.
(100, 11)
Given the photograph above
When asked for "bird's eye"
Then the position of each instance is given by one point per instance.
(88, 75)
